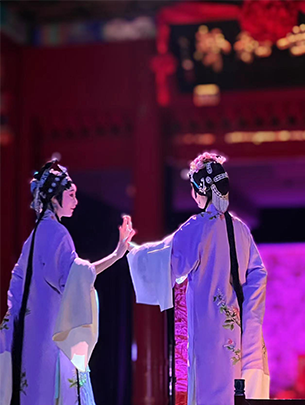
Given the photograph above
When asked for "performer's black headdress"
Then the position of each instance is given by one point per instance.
(50, 181)
(209, 178)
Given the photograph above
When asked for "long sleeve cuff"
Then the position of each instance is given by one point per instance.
(257, 384)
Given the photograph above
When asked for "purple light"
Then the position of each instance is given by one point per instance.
(284, 324)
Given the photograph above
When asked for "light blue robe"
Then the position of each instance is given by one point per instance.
(48, 376)
(217, 353)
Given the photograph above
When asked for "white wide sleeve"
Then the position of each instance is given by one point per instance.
(150, 269)
(254, 354)
(76, 329)
(257, 384)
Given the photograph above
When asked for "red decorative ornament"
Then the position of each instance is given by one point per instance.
(163, 66)
(269, 20)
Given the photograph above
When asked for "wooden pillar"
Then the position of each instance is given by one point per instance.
(10, 93)
(26, 150)
(150, 367)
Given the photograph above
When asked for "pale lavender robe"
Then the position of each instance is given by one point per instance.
(49, 376)
(217, 355)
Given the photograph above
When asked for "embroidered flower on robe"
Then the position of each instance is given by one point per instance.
(231, 313)
(82, 380)
(230, 345)
(4, 323)
(215, 216)
(24, 383)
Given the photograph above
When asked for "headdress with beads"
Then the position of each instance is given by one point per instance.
(50, 181)
(208, 176)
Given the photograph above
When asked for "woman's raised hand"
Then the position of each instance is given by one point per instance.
(126, 234)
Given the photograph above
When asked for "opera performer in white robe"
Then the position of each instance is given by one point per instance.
(221, 347)
(51, 326)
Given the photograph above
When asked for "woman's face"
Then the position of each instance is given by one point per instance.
(69, 202)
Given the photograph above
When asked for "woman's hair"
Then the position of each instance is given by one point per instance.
(209, 178)
(222, 185)
(50, 181)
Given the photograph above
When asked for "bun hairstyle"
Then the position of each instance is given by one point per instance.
(209, 178)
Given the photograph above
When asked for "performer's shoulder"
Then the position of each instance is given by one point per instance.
(240, 224)
(27, 242)
(193, 222)
(54, 229)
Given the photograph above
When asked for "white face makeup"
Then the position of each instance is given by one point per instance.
(69, 202)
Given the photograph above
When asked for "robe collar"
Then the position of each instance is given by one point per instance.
(211, 211)
(50, 215)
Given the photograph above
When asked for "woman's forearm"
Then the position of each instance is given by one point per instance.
(106, 262)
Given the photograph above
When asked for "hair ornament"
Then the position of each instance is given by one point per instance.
(51, 180)
(210, 165)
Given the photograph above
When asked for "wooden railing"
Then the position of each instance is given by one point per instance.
(240, 399)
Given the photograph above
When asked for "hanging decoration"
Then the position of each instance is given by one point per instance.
(269, 20)
(163, 66)
(210, 45)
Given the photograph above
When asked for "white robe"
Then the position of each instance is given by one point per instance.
(217, 352)
(62, 302)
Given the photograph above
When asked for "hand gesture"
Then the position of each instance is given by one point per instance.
(126, 234)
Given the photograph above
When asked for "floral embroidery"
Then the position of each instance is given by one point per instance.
(82, 380)
(4, 323)
(230, 345)
(215, 216)
(23, 383)
(231, 313)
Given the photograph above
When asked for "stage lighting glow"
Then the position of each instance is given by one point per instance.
(184, 174)
(259, 137)
(134, 352)
(256, 137)
(294, 41)
(195, 139)
(247, 48)
(210, 45)
(206, 94)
